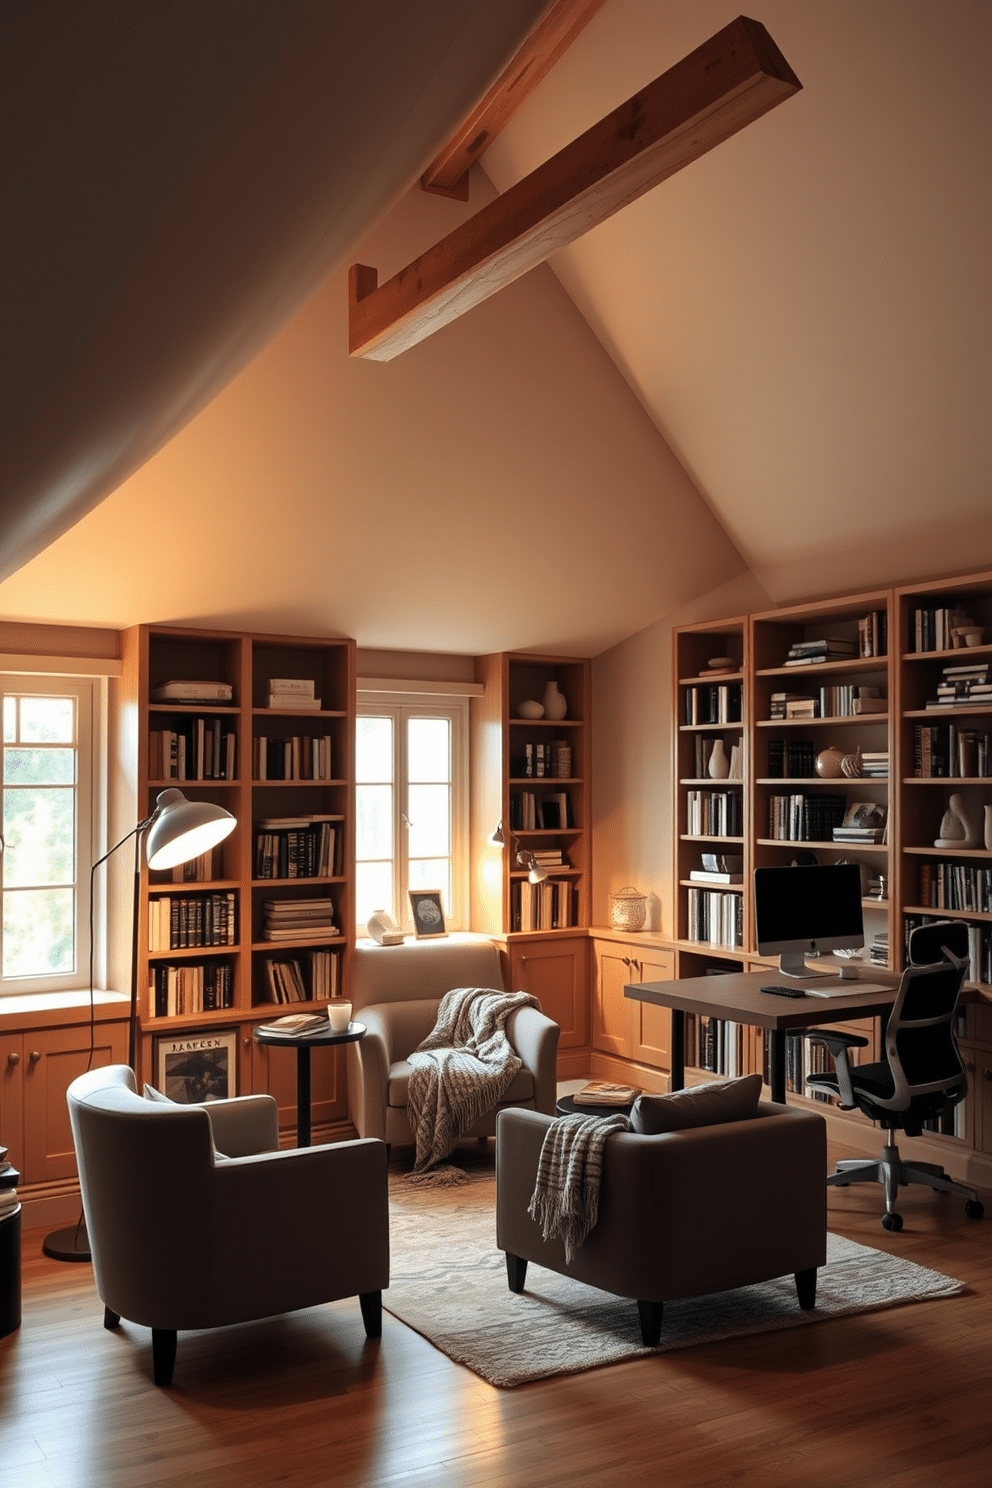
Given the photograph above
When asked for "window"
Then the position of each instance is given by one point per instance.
(411, 805)
(46, 766)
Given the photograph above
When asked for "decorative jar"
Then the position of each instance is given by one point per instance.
(628, 909)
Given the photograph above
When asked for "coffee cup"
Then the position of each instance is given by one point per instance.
(339, 1015)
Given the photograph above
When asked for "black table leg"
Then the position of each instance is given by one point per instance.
(777, 1062)
(303, 1095)
(678, 1049)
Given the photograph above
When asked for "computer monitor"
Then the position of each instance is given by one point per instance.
(802, 911)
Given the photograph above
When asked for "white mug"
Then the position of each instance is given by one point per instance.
(339, 1014)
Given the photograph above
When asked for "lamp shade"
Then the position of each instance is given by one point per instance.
(183, 829)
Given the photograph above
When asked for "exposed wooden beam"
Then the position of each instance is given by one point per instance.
(725, 84)
(448, 173)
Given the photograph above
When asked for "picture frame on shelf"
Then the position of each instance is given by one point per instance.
(428, 914)
(196, 1067)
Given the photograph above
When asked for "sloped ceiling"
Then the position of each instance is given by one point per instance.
(777, 361)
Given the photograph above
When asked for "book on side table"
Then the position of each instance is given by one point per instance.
(605, 1093)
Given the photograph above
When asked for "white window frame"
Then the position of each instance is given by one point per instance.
(91, 693)
(418, 703)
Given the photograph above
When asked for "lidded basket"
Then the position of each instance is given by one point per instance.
(628, 909)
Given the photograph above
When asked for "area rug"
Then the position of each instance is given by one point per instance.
(448, 1282)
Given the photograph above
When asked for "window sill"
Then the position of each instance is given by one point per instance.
(49, 1009)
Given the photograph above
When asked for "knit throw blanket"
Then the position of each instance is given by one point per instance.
(461, 1070)
(565, 1201)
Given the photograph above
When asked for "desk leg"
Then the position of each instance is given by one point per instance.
(303, 1095)
(777, 1062)
(677, 1081)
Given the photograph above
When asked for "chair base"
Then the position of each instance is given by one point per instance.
(893, 1174)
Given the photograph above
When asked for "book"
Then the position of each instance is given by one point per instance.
(700, 875)
(193, 692)
(291, 703)
(296, 686)
(295, 1024)
(605, 1093)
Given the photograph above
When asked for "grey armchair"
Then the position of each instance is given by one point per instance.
(396, 991)
(681, 1214)
(182, 1237)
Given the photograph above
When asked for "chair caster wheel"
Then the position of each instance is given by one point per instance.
(891, 1221)
(974, 1208)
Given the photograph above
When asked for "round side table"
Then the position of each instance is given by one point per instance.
(565, 1106)
(10, 1272)
(303, 1043)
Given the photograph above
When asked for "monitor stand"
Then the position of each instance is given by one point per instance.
(793, 964)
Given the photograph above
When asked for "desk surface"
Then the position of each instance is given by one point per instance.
(737, 996)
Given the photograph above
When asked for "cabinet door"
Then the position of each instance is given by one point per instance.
(652, 1026)
(52, 1059)
(612, 1021)
(554, 971)
(12, 1096)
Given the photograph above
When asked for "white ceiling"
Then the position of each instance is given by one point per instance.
(802, 317)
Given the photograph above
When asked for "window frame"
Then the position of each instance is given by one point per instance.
(400, 706)
(91, 694)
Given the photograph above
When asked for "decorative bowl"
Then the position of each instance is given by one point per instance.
(530, 709)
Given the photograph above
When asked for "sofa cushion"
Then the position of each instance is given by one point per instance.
(702, 1105)
(521, 1087)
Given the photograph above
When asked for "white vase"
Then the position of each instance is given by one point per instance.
(988, 829)
(555, 706)
(718, 767)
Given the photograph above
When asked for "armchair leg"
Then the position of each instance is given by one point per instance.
(516, 1272)
(111, 1319)
(371, 1305)
(806, 1289)
(650, 1315)
(163, 1354)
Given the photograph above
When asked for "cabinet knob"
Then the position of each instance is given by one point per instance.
(247, 1042)
(34, 1056)
(987, 1074)
(13, 1058)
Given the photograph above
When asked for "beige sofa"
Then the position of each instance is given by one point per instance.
(184, 1238)
(680, 1214)
(396, 991)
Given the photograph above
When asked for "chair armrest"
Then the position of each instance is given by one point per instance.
(838, 1045)
(534, 1037)
(246, 1125)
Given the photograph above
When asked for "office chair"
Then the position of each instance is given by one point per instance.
(920, 1076)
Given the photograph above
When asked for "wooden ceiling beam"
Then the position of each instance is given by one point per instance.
(448, 173)
(717, 90)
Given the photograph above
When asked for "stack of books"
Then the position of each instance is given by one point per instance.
(298, 919)
(878, 951)
(293, 693)
(603, 1093)
(864, 821)
(810, 653)
(964, 686)
(188, 693)
(793, 705)
(875, 763)
(549, 858)
(8, 1185)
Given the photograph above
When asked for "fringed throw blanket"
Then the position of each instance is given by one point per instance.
(565, 1201)
(461, 1070)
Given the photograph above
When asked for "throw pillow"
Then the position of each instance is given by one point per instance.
(150, 1093)
(702, 1105)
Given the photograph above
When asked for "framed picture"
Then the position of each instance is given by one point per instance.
(198, 1066)
(428, 916)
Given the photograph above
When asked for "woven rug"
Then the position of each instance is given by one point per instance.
(448, 1282)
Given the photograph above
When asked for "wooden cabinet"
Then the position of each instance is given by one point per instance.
(531, 778)
(37, 1066)
(620, 1026)
(554, 970)
(280, 759)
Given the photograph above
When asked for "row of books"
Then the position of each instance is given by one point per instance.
(296, 847)
(715, 917)
(298, 919)
(979, 947)
(301, 757)
(539, 760)
(180, 922)
(713, 813)
(175, 991)
(946, 885)
(799, 817)
(312, 977)
(964, 686)
(530, 812)
(802, 1058)
(714, 1044)
(791, 759)
(201, 749)
(545, 906)
(932, 627)
(948, 750)
(702, 752)
(714, 703)
(842, 700)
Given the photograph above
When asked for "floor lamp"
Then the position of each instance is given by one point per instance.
(177, 830)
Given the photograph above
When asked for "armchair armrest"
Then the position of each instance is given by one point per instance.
(245, 1125)
(535, 1038)
(838, 1044)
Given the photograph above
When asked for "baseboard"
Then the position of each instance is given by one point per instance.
(49, 1206)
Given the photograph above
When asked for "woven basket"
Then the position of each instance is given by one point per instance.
(628, 909)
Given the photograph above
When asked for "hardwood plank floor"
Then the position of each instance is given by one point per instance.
(898, 1398)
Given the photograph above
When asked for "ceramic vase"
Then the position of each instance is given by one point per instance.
(988, 829)
(830, 763)
(959, 825)
(555, 706)
(718, 767)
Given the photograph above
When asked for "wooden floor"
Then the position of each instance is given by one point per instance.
(895, 1399)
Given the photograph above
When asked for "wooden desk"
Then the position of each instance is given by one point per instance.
(737, 997)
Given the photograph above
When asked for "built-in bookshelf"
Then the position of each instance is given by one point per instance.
(530, 779)
(266, 917)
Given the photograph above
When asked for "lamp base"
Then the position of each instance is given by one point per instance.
(70, 1244)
